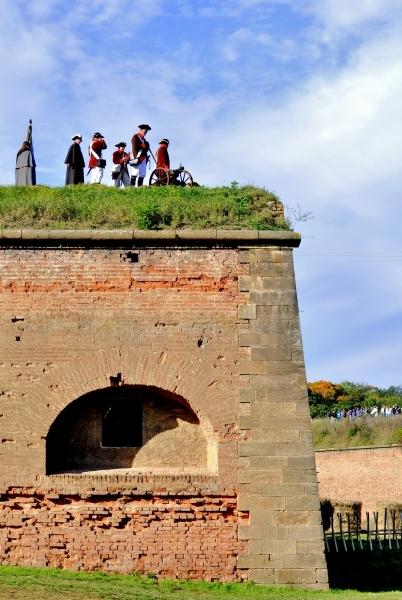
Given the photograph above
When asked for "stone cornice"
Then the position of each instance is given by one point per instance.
(140, 237)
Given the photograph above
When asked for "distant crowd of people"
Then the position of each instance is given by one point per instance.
(353, 413)
(129, 168)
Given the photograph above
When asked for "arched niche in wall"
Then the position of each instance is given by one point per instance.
(141, 429)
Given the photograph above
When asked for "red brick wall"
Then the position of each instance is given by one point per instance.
(215, 325)
(72, 318)
(372, 476)
(172, 536)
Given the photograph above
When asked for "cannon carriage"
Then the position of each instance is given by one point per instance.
(179, 177)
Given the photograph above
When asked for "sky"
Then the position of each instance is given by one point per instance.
(301, 97)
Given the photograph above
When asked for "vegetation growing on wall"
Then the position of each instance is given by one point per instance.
(85, 206)
(347, 433)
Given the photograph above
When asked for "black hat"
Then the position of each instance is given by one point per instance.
(97, 135)
(164, 141)
(77, 136)
(144, 126)
(122, 144)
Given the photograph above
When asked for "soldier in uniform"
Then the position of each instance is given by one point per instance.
(96, 163)
(162, 155)
(75, 162)
(140, 149)
(120, 170)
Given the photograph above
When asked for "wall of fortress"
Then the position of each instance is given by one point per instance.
(153, 406)
(372, 476)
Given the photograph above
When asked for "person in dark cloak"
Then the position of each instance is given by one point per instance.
(25, 173)
(75, 162)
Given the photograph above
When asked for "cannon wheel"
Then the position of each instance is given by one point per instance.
(184, 178)
(159, 177)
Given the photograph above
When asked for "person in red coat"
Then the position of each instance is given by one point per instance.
(140, 149)
(120, 170)
(96, 163)
(162, 155)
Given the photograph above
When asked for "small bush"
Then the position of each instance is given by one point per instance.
(396, 436)
(322, 433)
(149, 215)
(361, 431)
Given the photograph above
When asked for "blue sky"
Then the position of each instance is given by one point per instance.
(302, 97)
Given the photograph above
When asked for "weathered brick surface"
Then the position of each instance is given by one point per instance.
(353, 475)
(215, 328)
(70, 319)
(172, 536)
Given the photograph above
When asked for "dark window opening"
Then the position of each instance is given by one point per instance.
(121, 422)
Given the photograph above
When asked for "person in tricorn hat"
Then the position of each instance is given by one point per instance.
(75, 162)
(120, 174)
(162, 155)
(96, 163)
(139, 149)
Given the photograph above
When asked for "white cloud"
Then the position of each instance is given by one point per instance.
(347, 14)
(117, 15)
(331, 135)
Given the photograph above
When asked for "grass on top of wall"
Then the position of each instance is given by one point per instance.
(85, 206)
(22, 583)
(352, 433)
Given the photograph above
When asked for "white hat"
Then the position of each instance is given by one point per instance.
(77, 135)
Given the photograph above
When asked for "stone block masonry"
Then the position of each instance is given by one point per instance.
(153, 406)
(277, 476)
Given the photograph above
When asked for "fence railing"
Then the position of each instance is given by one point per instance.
(352, 532)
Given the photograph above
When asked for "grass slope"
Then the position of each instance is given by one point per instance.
(364, 431)
(85, 206)
(50, 584)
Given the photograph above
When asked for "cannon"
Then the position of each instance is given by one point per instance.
(180, 177)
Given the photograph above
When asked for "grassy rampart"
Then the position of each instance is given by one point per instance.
(85, 206)
(352, 433)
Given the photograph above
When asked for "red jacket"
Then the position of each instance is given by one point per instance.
(119, 157)
(139, 143)
(97, 145)
(162, 157)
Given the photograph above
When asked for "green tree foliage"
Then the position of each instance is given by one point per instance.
(327, 398)
(323, 395)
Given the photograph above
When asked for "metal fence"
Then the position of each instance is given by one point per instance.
(351, 532)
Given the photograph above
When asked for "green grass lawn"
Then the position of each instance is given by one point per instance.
(85, 206)
(50, 584)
